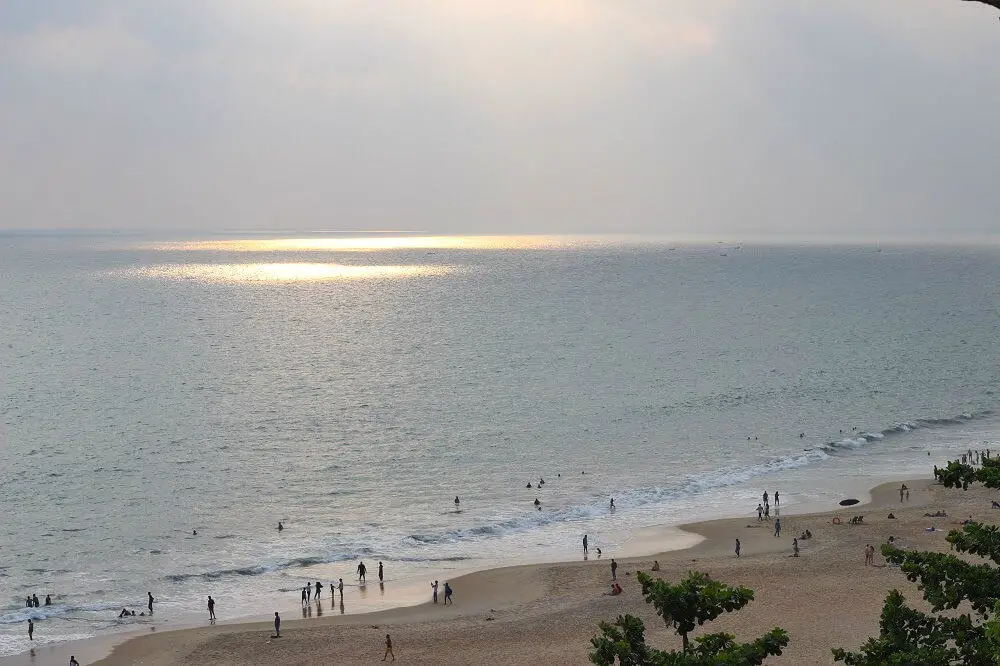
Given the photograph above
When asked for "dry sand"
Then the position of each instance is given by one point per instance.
(546, 614)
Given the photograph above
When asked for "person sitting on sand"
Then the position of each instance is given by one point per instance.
(968, 521)
(996, 504)
(936, 514)
(616, 589)
(656, 565)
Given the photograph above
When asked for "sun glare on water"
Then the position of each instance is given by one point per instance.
(283, 272)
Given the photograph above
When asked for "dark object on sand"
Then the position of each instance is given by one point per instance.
(848, 502)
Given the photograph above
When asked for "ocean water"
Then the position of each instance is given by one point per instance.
(352, 387)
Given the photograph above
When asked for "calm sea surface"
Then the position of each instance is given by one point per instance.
(152, 389)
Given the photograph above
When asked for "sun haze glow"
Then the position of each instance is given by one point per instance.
(370, 243)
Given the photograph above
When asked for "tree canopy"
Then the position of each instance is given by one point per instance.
(692, 602)
(948, 584)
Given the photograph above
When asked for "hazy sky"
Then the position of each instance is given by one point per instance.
(719, 118)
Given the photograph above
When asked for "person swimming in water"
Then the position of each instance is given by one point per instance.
(280, 526)
(456, 501)
(537, 502)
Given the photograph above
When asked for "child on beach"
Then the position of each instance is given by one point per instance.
(388, 641)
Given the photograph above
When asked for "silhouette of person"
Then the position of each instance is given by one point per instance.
(584, 544)
(211, 608)
(31, 630)
(614, 569)
(447, 593)
(388, 649)
(280, 526)
(319, 588)
(380, 569)
(340, 586)
(48, 600)
(456, 506)
(277, 625)
(150, 603)
(361, 572)
(73, 661)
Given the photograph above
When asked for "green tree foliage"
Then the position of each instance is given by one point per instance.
(909, 636)
(694, 601)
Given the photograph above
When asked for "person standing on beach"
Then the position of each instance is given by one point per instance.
(31, 630)
(456, 509)
(777, 527)
(765, 498)
(614, 569)
(737, 549)
(584, 544)
(776, 502)
(434, 586)
(767, 512)
(211, 608)
(361, 572)
(309, 592)
(760, 513)
(380, 568)
(319, 588)
(388, 649)
(795, 547)
(340, 586)
(902, 491)
(73, 661)
(447, 594)
(277, 625)
(150, 604)
(303, 596)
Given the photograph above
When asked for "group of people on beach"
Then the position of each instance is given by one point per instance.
(764, 507)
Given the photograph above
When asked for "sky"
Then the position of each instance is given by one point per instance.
(730, 119)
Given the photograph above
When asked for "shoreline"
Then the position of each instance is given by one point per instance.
(493, 591)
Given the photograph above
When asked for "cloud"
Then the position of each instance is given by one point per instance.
(722, 118)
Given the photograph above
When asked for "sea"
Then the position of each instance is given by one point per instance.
(351, 386)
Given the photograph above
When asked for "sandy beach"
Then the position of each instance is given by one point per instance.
(547, 613)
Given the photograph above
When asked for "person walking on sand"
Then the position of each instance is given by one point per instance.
(434, 586)
(211, 608)
(361, 572)
(150, 604)
(380, 571)
(277, 625)
(447, 594)
(777, 527)
(760, 513)
(31, 630)
(765, 497)
(614, 569)
(737, 549)
(584, 544)
(388, 649)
